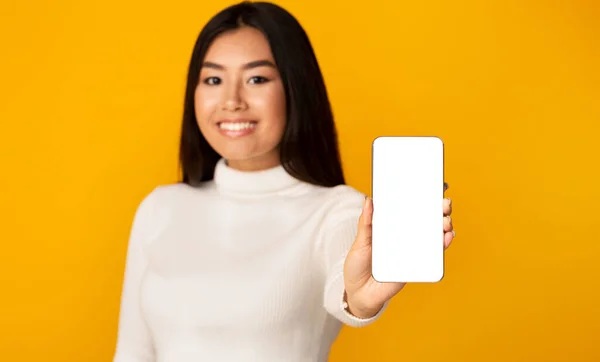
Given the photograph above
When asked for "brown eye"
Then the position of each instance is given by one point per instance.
(212, 81)
(258, 80)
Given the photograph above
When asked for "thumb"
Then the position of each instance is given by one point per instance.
(364, 235)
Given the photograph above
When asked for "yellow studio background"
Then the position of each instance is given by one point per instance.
(91, 104)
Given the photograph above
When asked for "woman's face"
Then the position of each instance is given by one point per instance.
(240, 100)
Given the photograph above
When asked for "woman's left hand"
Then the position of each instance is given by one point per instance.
(364, 295)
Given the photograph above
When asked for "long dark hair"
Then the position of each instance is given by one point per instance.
(309, 147)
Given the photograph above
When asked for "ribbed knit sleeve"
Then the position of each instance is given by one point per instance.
(134, 343)
(339, 232)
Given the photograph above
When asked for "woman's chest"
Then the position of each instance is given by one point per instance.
(239, 275)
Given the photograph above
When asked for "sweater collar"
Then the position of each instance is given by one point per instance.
(270, 181)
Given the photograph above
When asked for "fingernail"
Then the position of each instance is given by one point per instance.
(453, 233)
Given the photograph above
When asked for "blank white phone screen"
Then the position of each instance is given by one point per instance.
(408, 193)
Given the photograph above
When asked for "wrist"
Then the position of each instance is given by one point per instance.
(359, 309)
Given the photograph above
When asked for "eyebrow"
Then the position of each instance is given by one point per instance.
(250, 65)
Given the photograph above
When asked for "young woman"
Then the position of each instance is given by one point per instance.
(262, 252)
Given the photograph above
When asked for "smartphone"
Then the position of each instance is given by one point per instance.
(408, 221)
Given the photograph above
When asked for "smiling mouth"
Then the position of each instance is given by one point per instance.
(236, 129)
(237, 126)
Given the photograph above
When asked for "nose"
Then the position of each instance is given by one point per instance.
(234, 99)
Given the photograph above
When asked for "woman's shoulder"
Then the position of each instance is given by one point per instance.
(166, 203)
(169, 193)
(344, 202)
(166, 197)
(345, 194)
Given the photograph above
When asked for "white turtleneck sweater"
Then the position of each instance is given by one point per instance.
(246, 267)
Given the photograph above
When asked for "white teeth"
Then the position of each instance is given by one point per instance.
(230, 126)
